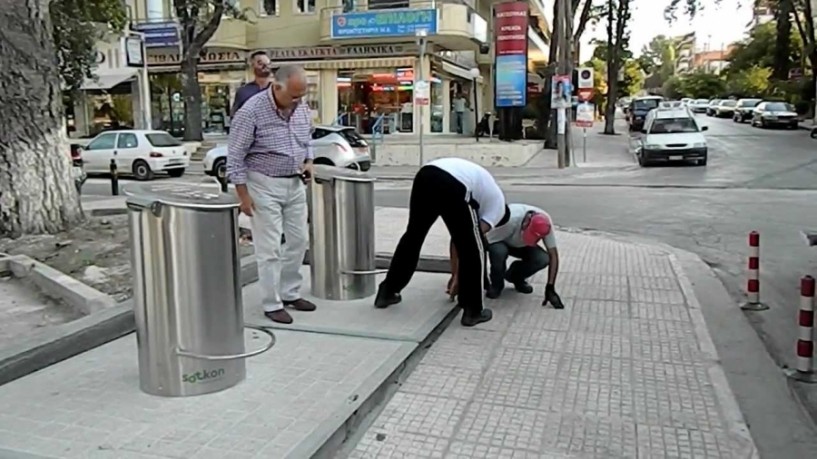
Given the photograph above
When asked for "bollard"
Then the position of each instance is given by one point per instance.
(753, 283)
(805, 339)
(114, 178)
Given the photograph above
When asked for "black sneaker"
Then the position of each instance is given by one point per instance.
(493, 292)
(470, 321)
(523, 287)
(385, 299)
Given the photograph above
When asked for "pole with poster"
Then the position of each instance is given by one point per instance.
(584, 119)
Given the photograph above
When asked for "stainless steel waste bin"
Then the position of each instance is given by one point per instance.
(187, 289)
(341, 242)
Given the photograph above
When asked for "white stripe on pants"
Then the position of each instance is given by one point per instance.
(280, 206)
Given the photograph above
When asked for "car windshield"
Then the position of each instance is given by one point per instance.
(715, 102)
(354, 139)
(701, 101)
(779, 107)
(645, 104)
(673, 126)
(729, 103)
(162, 139)
(749, 103)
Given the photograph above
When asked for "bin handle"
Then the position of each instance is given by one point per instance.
(181, 352)
(323, 180)
(364, 273)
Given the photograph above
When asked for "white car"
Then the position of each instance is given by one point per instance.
(671, 133)
(699, 105)
(141, 153)
(339, 146)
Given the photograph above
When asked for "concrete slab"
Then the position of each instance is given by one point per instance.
(627, 369)
(295, 397)
(488, 152)
(424, 306)
(390, 223)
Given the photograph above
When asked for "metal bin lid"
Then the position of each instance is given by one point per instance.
(186, 195)
(324, 172)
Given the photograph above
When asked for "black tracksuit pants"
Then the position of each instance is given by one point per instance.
(436, 193)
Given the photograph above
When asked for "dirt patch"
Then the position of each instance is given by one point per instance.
(96, 253)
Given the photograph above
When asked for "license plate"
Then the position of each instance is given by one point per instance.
(175, 161)
(676, 158)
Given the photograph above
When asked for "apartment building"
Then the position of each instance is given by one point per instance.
(361, 56)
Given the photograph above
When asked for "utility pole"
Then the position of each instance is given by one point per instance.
(565, 32)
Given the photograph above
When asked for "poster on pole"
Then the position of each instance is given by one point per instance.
(585, 114)
(511, 22)
(422, 93)
(561, 91)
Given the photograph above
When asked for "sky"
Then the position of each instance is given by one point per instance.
(718, 25)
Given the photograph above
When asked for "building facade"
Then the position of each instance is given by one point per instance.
(362, 59)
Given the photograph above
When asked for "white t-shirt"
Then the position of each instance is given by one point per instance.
(480, 186)
(459, 104)
(511, 232)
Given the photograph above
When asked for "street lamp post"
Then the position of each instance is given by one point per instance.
(475, 75)
(421, 35)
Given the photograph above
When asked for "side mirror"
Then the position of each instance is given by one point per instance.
(704, 128)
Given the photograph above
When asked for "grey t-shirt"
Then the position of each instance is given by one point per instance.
(244, 93)
(511, 232)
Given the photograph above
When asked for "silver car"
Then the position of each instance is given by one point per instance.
(339, 146)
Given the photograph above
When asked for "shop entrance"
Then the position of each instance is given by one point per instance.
(376, 98)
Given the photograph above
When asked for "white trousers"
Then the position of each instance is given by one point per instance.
(280, 206)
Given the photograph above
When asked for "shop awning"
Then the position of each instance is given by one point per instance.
(374, 63)
(459, 71)
(109, 80)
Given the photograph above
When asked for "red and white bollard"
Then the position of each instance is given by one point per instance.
(753, 283)
(804, 370)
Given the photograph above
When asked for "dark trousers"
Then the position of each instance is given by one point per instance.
(530, 261)
(435, 193)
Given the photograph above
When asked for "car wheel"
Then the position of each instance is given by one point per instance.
(176, 173)
(813, 134)
(220, 168)
(141, 170)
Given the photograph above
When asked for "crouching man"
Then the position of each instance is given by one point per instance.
(519, 238)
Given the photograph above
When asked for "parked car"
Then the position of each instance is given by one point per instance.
(141, 153)
(744, 109)
(726, 108)
(713, 104)
(77, 169)
(775, 114)
(339, 146)
(686, 101)
(671, 133)
(699, 105)
(639, 107)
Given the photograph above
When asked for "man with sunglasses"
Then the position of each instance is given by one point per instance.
(519, 238)
(261, 69)
(269, 159)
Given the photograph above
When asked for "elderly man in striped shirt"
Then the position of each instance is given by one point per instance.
(269, 160)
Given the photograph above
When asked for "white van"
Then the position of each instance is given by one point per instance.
(671, 133)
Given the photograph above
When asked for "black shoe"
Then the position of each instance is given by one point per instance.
(384, 299)
(470, 321)
(523, 287)
(493, 292)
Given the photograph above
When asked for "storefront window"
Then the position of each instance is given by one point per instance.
(376, 97)
(437, 104)
(313, 94)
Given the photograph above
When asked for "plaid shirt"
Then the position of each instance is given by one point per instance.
(263, 141)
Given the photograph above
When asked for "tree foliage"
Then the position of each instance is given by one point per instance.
(758, 50)
(751, 82)
(632, 79)
(617, 14)
(696, 85)
(77, 26)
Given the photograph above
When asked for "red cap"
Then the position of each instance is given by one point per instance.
(538, 228)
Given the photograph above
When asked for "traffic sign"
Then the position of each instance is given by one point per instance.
(585, 94)
(585, 114)
(585, 78)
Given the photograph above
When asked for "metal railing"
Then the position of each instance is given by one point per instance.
(339, 120)
(377, 133)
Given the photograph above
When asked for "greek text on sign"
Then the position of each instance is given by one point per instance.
(422, 93)
(585, 115)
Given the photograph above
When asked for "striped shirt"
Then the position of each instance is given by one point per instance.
(263, 140)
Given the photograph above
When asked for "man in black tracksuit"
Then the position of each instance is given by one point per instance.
(470, 203)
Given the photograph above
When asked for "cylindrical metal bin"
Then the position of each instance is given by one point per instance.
(341, 242)
(187, 289)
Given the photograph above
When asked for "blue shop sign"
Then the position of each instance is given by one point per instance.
(511, 80)
(159, 34)
(394, 23)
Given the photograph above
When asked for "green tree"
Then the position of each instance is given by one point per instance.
(752, 82)
(632, 79)
(758, 50)
(198, 21)
(673, 88)
(659, 56)
(42, 46)
(701, 85)
(617, 14)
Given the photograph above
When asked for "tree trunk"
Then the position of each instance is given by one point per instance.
(782, 44)
(191, 93)
(37, 193)
(548, 120)
(612, 71)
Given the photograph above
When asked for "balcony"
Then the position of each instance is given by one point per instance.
(232, 33)
(458, 26)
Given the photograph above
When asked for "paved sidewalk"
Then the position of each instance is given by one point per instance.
(627, 370)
